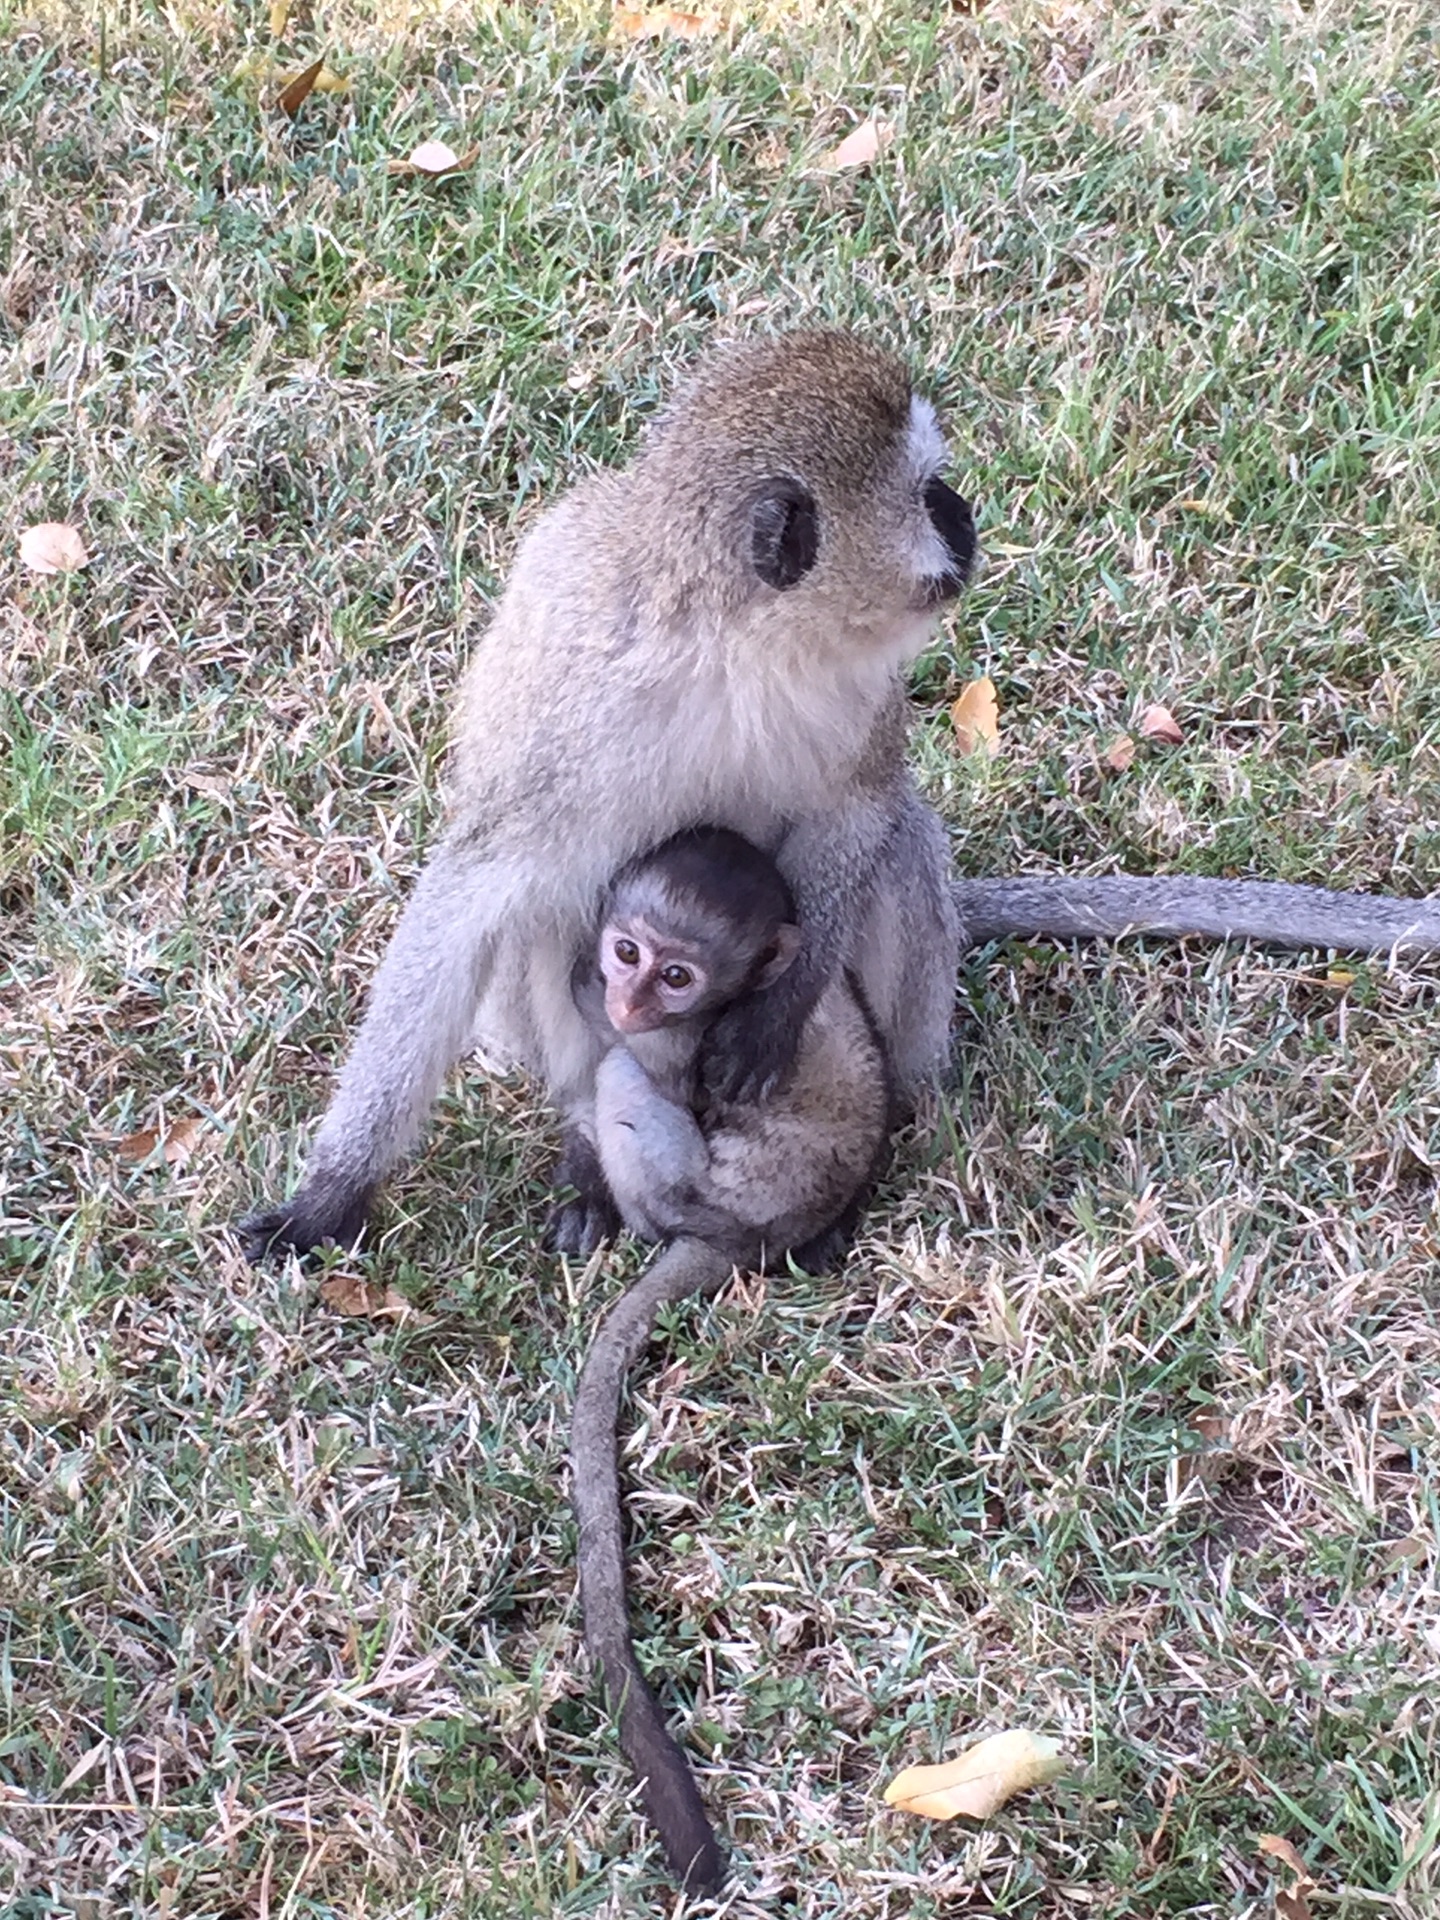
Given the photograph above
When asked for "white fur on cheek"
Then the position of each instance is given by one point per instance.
(925, 449)
(925, 455)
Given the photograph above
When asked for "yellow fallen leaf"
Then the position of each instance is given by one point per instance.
(176, 1142)
(976, 717)
(861, 145)
(1158, 723)
(298, 89)
(654, 23)
(1120, 754)
(981, 1780)
(363, 1298)
(328, 81)
(1339, 977)
(279, 17)
(52, 547)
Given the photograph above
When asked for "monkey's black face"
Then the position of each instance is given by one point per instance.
(953, 521)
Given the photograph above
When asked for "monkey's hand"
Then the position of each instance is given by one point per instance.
(311, 1218)
(751, 1046)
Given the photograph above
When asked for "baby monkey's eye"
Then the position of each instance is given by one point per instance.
(677, 977)
(627, 953)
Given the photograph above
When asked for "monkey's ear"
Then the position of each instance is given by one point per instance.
(784, 533)
(782, 950)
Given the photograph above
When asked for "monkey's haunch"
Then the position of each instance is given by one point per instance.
(1106, 906)
(667, 1786)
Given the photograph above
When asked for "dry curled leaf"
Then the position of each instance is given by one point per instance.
(298, 89)
(1120, 754)
(176, 1142)
(976, 717)
(1158, 723)
(656, 23)
(52, 547)
(433, 157)
(981, 1780)
(1290, 1902)
(861, 145)
(365, 1299)
(1279, 1848)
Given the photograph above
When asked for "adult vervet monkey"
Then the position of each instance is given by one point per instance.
(718, 635)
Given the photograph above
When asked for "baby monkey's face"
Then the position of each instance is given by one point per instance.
(653, 979)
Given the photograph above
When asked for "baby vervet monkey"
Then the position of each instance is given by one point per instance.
(703, 923)
(690, 929)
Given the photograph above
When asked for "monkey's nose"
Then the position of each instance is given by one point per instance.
(625, 1017)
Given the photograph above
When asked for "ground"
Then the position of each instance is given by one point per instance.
(1123, 1424)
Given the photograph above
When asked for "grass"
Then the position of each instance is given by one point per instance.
(1123, 1422)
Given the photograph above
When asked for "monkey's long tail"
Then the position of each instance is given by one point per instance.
(1273, 911)
(667, 1786)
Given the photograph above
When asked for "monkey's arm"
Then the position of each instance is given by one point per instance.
(830, 861)
(1106, 906)
(417, 1023)
(655, 1157)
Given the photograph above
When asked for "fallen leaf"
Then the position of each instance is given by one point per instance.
(279, 17)
(433, 157)
(1279, 1848)
(1120, 754)
(655, 23)
(976, 717)
(177, 1143)
(1291, 1904)
(363, 1298)
(1158, 723)
(981, 1780)
(52, 547)
(328, 81)
(1400, 1554)
(299, 88)
(861, 145)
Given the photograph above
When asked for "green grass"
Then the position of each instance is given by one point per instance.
(1123, 1422)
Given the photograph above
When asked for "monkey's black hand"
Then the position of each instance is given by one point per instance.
(751, 1047)
(579, 1225)
(309, 1219)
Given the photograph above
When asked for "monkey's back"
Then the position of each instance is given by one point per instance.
(788, 1166)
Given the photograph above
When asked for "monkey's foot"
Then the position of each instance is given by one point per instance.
(307, 1220)
(827, 1250)
(582, 1224)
